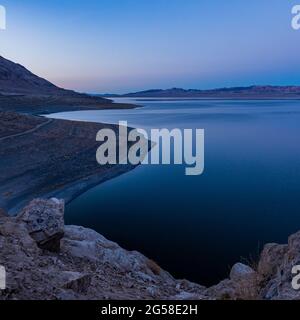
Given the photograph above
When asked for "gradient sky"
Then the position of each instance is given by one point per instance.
(129, 45)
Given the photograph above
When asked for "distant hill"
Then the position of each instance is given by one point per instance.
(21, 90)
(16, 79)
(252, 92)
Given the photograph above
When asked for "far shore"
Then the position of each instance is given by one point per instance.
(213, 99)
(42, 106)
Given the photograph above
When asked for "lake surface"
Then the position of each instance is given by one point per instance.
(196, 227)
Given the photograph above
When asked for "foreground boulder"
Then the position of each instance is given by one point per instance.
(44, 220)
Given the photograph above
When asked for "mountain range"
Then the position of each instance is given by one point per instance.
(19, 87)
(251, 92)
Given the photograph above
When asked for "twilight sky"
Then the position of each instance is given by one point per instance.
(130, 45)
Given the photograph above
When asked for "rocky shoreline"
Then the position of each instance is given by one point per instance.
(46, 260)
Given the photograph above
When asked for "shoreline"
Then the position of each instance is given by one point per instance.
(141, 98)
(41, 110)
(211, 99)
(73, 190)
(42, 158)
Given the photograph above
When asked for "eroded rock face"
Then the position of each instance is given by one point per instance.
(271, 258)
(44, 220)
(276, 264)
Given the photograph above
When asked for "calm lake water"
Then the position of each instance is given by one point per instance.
(196, 227)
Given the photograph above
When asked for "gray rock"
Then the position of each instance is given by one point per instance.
(271, 258)
(225, 290)
(76, 281)
(45, 222)
(239, 271)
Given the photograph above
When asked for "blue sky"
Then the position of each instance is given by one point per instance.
(130, 45)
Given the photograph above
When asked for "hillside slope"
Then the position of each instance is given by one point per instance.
(23, 91)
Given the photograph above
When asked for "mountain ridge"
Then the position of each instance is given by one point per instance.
(16, 79)
(254, 91)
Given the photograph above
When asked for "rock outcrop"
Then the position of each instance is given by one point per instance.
(275, 268)
(272, 279)
(46, 260)
(45, 222)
